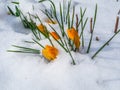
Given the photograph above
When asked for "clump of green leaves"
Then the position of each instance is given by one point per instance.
(64, 17)
(17, 13)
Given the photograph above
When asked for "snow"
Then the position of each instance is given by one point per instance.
(31, 72)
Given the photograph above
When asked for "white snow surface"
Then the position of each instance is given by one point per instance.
(31, 72)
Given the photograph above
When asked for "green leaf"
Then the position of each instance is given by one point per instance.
(24, 48)
(49, 17)
(10, 11)
(73, 14)
(32, 52)
(29, 42)
(15, 3)
(62, 23)
(91, 37)
(17, 11)
(68, 11)
(38, 43)
(81, 15)
(105, 44)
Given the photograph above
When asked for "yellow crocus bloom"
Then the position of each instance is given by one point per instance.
(50, 52)
(42, 28)
(73, 35)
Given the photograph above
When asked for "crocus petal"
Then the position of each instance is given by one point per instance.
(73, 35)
(50, 22)
(77, 42)
(54, 35)
(41, 27)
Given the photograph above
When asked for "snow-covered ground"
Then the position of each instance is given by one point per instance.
(31, 72)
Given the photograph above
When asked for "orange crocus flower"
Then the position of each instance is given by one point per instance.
(73, 35)
(42, 28)
(50, 52)
(54, 35)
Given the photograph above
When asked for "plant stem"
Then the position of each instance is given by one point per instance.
(91, 37)
(116, 24)
(91, 20)
(73, 61)
(73, 14)
(76, 22)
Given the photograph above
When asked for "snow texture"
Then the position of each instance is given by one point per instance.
(31, 72)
